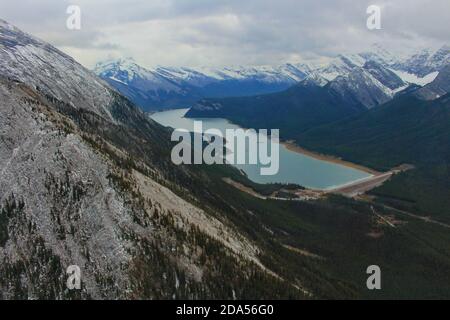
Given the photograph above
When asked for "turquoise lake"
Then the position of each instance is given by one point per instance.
(293, 166)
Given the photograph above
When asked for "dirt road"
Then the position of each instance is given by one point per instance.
(362, 186)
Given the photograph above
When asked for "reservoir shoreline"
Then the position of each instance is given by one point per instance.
(292, 146)
(297, 165)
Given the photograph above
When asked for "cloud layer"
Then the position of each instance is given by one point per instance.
(233, 32)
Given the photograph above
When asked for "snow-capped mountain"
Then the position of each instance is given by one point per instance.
(418, 68)
(149, 89)
(30, 60)
(314, 79)
(342, 65)
(438, 88)
(360, 86)
(384, 75)
(425, 62)
(349, 84)
(382, 71)
(286, 73)
(169, 87)
(358, 80)
(380, 55)
(423, 67)
(127, 72)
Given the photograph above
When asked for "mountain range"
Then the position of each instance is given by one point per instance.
(170, 87)
(309, 103)
(353, 85)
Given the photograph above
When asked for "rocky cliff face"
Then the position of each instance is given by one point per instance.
(361, 87)
(61, 209)
(384, 75)
(38, 64)
(86, 180)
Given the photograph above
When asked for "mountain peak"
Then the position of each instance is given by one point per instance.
(314, 79)
(122, 69)
(37, 63)
(445, 47)
(121, 62)
(379, 54)
(7, 25)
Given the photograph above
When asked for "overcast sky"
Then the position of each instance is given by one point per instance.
(228, 32)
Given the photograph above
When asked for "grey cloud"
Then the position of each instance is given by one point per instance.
(222, 32)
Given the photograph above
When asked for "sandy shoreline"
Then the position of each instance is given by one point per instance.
(290, 145)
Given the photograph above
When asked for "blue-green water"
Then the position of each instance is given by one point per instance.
(294, 167)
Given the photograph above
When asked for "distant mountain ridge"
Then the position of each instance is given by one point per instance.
(169, 87)
(425, 61)
(356, 86)
(174, 87)
(359, 86)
